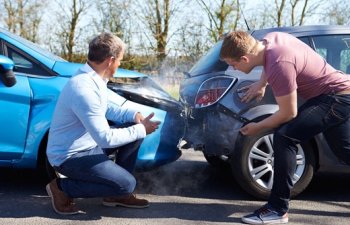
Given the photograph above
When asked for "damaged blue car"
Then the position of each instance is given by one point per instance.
(31, 81)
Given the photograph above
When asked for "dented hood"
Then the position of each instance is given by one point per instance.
(145, 91)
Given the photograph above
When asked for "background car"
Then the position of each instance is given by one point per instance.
(215, 114)
(27, 106)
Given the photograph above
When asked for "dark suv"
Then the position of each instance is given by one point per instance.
(215, 114)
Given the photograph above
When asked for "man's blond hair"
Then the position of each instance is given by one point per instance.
(237, 44)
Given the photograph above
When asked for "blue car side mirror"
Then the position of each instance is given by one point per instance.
(6, 71)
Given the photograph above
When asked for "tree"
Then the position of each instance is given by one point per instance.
(279, 7)
(157, 15)
(113, 16)
(156, 18)
(308, 8)
(337, 13)
(285, 13)
(23, 17)
(191, 45)
(223, 15)
(69, 16)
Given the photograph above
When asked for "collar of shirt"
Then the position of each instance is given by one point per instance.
(95, 76)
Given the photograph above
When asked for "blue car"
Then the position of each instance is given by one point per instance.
(28, 98)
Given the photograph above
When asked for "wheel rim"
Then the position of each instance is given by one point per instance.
(59, 175)
(261, 162)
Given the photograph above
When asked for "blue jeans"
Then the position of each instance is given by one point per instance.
(92, 173)
(325, 113)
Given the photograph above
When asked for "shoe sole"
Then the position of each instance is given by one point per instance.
(49, 192)
(248, 221)
(114, 204)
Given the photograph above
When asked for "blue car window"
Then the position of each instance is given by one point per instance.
(20, 61)
(24, 64)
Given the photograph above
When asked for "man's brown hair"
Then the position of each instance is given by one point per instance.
(237, 44)
(103, 46)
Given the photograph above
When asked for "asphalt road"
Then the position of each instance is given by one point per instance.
(188, 191)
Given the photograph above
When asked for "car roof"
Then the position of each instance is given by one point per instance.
(210, 62)
(300, 31)
(44, 56)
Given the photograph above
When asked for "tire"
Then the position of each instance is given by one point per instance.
(217, 161)
(255, 159)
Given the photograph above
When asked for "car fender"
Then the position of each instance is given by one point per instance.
(230, 123)
(45, 92)
(259, 111)
(38, 127)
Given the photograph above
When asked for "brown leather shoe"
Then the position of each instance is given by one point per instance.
(60, 202)
(129, 201)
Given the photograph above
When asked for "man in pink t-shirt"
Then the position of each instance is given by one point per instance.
(292, 69)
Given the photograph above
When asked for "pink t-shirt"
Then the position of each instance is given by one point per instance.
(291, 65)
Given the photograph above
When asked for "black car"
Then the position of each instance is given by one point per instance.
(215, 114)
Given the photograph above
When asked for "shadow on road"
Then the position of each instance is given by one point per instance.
(186, 190)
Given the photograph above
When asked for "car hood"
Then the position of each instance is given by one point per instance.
(145, 91)
(66, 69)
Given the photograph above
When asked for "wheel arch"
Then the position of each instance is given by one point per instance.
(255, 114)
(309, 145)
(42, 152)
(260, 111)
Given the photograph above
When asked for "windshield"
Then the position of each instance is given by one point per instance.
(209, 62)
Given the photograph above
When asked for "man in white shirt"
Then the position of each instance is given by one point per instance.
(81, 139)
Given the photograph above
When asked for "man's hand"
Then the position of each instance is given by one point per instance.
(250, 129)
(255, 90)
(138, 118)
(288, 110)
(150, 125)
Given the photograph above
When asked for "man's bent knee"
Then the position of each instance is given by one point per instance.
(129, 185)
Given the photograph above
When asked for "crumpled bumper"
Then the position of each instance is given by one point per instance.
(214, 132)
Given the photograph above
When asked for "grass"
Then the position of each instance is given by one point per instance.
(173, 90)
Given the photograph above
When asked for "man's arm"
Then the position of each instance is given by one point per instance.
(87, 108)
(115, 112)
(288, 109)
(255, 90)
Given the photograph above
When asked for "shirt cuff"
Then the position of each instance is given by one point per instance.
(140, 131)
(134, 115)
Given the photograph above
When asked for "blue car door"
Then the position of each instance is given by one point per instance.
(14, 114)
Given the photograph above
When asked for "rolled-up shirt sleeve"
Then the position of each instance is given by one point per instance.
(115, 112)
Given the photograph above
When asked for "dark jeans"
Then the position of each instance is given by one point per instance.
(93, 174)
(325, 113)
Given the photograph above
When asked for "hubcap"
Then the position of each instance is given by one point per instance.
(261, 162)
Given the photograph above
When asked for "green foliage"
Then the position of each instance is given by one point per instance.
(139, 62)
(173, 90)
(76, 58)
